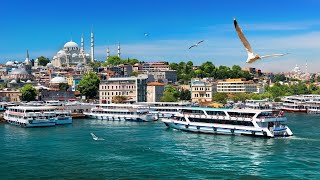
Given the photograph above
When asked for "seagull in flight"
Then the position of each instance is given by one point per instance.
(251, 56)
(94, 137)
(196, 45)
(146, 34)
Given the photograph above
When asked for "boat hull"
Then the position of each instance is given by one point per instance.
(216, 129)
(294, 110)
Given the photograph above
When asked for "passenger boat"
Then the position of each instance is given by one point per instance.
(164, 109)
(37, 116)
(120, 112)
(267, 123)
(294, 103)
(263, 104)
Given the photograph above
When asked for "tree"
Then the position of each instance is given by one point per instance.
(89, 84)
(185, 94)
(29, 93)
(279, 77)
(63, 86)
(170, 94)
(134, 73)
(113, 60)
(119, 99)
(220, 97)
(43, 61)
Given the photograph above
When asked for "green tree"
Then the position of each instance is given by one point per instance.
(95, 65)
(113, 60)
(43, 61)
(185, 94)
(29, 93)
(170, 94)
(134, 73)
(279, 77)
(220, 97)
(63, 86)
(89, 85)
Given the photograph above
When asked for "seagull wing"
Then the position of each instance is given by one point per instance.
(200, 42)
(192, 46)
(242, 37)
(272, 55)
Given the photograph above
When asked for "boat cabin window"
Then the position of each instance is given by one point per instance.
(270, 114)
(192, 111)
(219, 121)
(241, 114)
(217, 113)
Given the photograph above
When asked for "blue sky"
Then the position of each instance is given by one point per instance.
(271, 26)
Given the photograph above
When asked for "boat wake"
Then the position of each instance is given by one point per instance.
(299, 138)
(94, 137)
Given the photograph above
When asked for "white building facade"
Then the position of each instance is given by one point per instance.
(135, 88)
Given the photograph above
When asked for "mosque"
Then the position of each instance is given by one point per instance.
(72, 55)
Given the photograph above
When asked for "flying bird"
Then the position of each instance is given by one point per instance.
(94, 137)
(196, 45)
(146, 34)
(251, 56)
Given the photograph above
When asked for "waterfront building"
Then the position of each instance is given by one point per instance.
(237, 86)
(202, 90)
(135, 88)
(155, 91)
(10, 95)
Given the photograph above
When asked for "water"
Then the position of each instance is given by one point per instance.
(151, 151)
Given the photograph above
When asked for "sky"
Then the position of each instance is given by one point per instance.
(271, 26)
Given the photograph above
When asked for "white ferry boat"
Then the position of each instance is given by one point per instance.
(63, 117)
(313, 105)
(265, 123)
(263, 104)
(164, 109)
(36, 116)
(118, 112)
(294, 103)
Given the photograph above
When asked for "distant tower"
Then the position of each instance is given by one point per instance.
(27, 61)
(92, 46)
(108, 53)
(82, 48)
(82, 44)
(306, 66)
(119, 50)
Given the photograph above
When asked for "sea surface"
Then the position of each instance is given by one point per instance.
(134, 150)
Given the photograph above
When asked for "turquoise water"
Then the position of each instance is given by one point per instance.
(151, 151)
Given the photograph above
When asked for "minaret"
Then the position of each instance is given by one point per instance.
(27, 61)
(82, 45)
(306, 66)
(92, 46)
(108, 53)
(119, 50)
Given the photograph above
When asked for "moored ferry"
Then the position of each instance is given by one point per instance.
(37, 116)
(164, 109)
(267, 123)
(119, 112)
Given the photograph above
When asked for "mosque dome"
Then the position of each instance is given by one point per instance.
(79, 65)
(58, 80)
(10, 63)
(13, 81)
(49, 65)
(28, 81)
(71, 44)
(19, 71)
